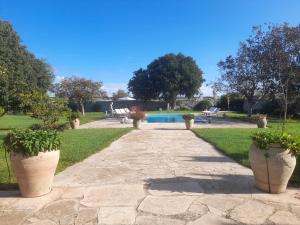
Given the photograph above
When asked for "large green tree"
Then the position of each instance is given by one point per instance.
(166, 78)
(79, 90)
(20, 71)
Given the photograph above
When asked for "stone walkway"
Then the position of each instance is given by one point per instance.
(149, 177)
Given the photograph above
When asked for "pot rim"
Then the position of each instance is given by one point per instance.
(12, 153)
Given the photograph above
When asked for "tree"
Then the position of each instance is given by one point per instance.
(282, 52)
(166, 78)
(20, 71)
(142, 86)
(47, 109)
(119, 94)
(79, 90)
(244, 72)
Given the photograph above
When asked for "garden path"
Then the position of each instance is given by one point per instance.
(154, 176)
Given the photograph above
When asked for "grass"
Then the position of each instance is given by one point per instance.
(77, 145)
(9, 122)
(235, 142)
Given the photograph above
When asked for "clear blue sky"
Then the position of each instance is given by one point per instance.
(108, 40)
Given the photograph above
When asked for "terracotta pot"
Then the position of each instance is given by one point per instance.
(189, 124)
(272, 173)
(35, 174)
(75, 123)
(137, 124)
(262, 122)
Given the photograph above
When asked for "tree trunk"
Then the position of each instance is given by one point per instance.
(250, 111)
(82, 108)
(228, 102)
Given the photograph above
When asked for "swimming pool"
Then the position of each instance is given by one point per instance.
(164, 118)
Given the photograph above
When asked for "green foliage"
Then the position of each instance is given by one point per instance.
(188, 116)
(76, 146)
(166, 78)
(203, 105)
(231, 102)
(20, 71)
(266, 64)
(236, 142)
(74, 116)
(48, 110)
(264, 139)
(79, 90)
(31, 142)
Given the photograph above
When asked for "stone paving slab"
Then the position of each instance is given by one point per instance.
(154, 176)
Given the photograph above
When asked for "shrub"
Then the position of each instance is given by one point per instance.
(236, 102)
(31, 142)
(188, 116)
(48, 110)
(74, 116)
(56, 126)
(271, 108)
(264, 139)
(203, 105)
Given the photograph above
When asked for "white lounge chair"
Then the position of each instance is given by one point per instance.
(212, 111)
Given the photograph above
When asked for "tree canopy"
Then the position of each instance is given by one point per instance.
(166, 78)
(266, 64)
(79, 90)
(20, 71)
(119, 94)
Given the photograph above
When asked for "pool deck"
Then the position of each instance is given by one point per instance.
(216, 123)
(154, 177)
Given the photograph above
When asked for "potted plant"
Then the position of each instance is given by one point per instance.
(74, 120)
(273, 159)
(189, 120)
(137, 116)
(34, 156)
(261, 120)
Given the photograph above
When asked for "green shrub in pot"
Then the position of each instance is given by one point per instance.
(74, 119)
(273, 159)
(189, 120)
(34, 156)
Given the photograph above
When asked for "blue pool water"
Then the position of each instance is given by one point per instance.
(164, 118)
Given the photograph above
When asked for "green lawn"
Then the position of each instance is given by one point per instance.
(235, 142)
(77, 145)
(9, 122)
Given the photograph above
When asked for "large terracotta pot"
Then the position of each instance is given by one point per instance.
(75, 123)
(136, 123)
(35, 174)
(189, 123)
(262, 122)
(272, 173)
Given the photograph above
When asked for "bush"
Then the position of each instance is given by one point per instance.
(264, 139)
(48, 110)
(31, 142)
(56, 126)
(203, 105)
(236, 102)
(271, 108)
(74, 116)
